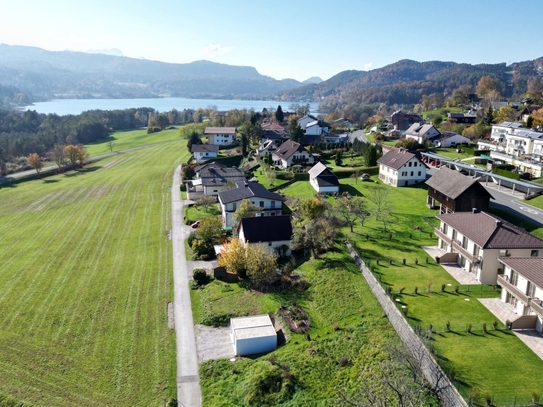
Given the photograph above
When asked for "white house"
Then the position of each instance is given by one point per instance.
(304, 121)
(323, 180)
(204, 152)
(290, 153)
(399, 167)
(275, 233)
(476, 240)
(421, 132)
(221, 136)
(449, 139)
(213, 180)
(316, 128)
(522, 289)
(270, 203)
(253, 334)
(266, 147)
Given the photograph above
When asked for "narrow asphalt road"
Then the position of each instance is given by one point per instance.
(188, 382)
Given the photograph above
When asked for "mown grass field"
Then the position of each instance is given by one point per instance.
(133, 138)
(85, 282)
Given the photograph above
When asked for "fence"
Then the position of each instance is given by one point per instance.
(435, 376)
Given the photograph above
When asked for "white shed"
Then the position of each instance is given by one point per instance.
(253, 334)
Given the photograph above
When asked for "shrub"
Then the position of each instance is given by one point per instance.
(456, 289)
(403, 261)
(344, 362)
(416, 290)
(448, 326)
(443, 286)
(389, 290)
(200, 276)
(468, 329)
(484, 328)
(495, 325)
(507, 324)
(416, 261)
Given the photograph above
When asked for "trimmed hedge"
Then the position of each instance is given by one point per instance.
(505, 173)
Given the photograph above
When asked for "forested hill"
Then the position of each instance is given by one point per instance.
(48, 74)
(406, 81)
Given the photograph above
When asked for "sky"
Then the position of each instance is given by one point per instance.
(294, 39)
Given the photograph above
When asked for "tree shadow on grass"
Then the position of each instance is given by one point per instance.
(50, 181)
(350, 189)
(83, 171)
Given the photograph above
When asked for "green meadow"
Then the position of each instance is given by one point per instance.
(85, 282)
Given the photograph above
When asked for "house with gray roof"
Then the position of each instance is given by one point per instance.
(451, 191)
(398, 168)
(213, 180)
(522, 289)
(475, 240)
(323, 180)
(274, 233)
(270, 203)
(422, 132)
(204, 152)
(291, 153)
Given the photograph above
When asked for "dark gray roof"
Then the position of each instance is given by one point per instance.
(219, 176)
(266, 228)
(208, 165)
(452, 183)
(247, 190)
(204, 148)
(490, 232)
(396, 158)
(529, 267)
(288, 148)
(274, 134)
(327, 180)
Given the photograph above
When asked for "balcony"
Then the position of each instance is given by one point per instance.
(537, 306)
(504, 282)
(442, 235)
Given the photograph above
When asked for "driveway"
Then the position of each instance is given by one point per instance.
(188, 382)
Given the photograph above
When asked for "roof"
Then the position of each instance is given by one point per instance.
(266, 228)
(325, 177)
(419, 129)
(220, 130)
(317, 169)
(490, 232)
(529, 267)
(274, 134)
(288, 148)
(396, 158)
(246, 190)
(208, 165)
(459, 115)
(452, 183)
(219, 176)
(204, 148)
(255, 326)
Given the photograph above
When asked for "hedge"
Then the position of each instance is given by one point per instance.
(505, 173)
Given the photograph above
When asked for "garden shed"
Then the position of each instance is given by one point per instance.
(253, 334)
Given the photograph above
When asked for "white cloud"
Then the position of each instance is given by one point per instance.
(368, 66)
(216, 49)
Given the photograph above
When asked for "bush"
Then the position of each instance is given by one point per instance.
(200, 276)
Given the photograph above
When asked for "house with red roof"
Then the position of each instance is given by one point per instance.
(399, 168)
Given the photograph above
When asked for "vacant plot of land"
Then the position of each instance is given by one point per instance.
(85, 282)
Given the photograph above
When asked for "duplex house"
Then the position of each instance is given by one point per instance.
(214, 164)
(213, 180)
(399, 167)
(449, 139)
(317, 128)
(422, 132)
(477, 239)
(522, 289)
(274, 233)
(221, 136)
(323, 180)
(270, 203)
(204, 152)
(452, 192)
(290, 153)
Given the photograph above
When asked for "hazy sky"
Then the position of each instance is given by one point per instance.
(283, 39)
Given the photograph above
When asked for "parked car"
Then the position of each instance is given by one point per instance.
(195, 224)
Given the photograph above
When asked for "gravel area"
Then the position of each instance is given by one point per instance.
(213, 343)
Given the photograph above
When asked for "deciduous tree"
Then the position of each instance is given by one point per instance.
(486, 85)
(379, 197)
(36, 162)
(352, 210)
(233, 257)
(162, 121)
(205, 201)
(261, 265)
(246, 210)
(311, 208)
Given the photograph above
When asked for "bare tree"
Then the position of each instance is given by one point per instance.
(379, 197)
(205, 201)
(58, 156)
(352, 210)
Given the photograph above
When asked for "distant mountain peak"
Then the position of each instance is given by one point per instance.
(313, 79)
(112, 51)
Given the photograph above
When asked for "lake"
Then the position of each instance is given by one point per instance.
(76, 106)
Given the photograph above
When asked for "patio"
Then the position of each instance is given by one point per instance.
(457, 272)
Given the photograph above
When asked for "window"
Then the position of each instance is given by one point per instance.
(454, 234)
(409, 164)
(534, 253)
(530, 290)
(476, 250)
(419, 173)
(514, 277)
(504, 253)
(465, 242)
(415, 164)
(273, 204)
(234, 206)
(411, 173)
(444, 228)
(261, 204)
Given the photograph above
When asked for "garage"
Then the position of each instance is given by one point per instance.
(253, 334)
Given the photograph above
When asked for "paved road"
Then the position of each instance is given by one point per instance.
(188, 382)
(514, 203)
(358, 134)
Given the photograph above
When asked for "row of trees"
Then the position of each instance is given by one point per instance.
(73, 155)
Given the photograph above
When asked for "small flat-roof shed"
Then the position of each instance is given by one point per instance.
(253, 334)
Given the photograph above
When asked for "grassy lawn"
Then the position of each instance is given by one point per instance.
(301, 190)
(194, 212)
(450, 153)
(85, 282)
(537, 202)
(263, 179)
(134, 138)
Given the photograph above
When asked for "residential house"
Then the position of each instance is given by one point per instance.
(323, 180)
(522, 289)
(275, 233)
(291, 153)
(214, 164)
(317, 128)
(213, 180)
(266, 147)
(462, 118)
(399, 167)
(452, 192)
(342, 123)
(449, 139)
(204, 152)
(304, 121)
(221, 136)
(522, 115)
(270, 203)
(402, 121)
(422, 132)
(474, 240)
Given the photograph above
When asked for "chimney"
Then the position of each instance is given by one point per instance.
(245, 183)
(498, 222)
(474, 210)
